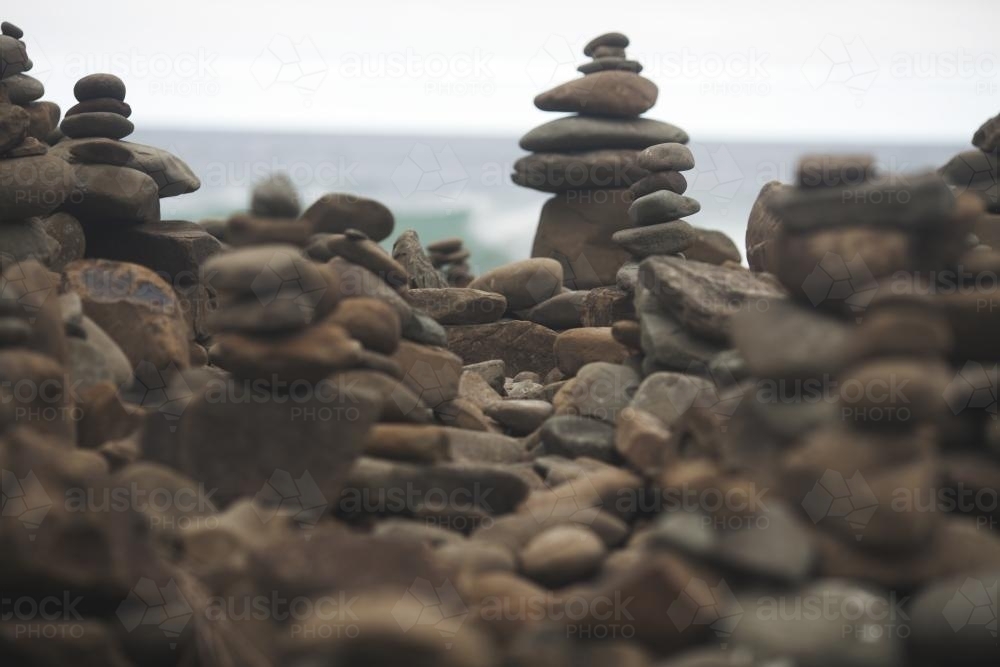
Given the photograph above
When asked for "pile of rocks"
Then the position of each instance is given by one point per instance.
(347, 458)
(860, 403)
(451, 258)
(589, 159)
(121, 182)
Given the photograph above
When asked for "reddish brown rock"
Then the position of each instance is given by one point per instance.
(371, 321)
(138, 310)
(175, 250)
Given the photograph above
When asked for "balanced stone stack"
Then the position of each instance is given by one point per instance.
(275, 217)
(115, 214)
(659, 204)
(858, 405)
(35, 183)
(122, 182)
(978, 172)
(452, 258)
(26, 91)
(589, 159)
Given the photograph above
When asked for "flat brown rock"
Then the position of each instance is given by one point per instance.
(575, 229)
(523, 346)
(702, 296)
(608, 93)
(458, 305)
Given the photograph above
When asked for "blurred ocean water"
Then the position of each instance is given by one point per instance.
(460, 186)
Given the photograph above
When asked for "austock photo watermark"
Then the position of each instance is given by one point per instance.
(849, 497)
(847, 62)
(191, 73)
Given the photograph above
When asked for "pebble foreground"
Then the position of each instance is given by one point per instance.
(268, 441)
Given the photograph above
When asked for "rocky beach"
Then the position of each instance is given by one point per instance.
(301, 435)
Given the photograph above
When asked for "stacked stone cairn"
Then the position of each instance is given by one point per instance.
(862, 397)
(359, 463)
(589, 159)
(451, 258)
(36, 183)
(26, 91)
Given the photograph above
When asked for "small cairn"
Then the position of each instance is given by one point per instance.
(589, 159)
(452, 258)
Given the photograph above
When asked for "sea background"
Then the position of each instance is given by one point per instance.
(445, 186)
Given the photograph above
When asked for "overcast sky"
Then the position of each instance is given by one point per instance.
(768, 69)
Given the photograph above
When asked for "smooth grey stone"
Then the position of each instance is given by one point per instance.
(661, 206)
(664, 340)
(94, 86)
(11, 30)
(422, 328)
(563, 311)
(572, 437)
(23, 89)
(667, 238)
(97, 124)
(581, 133)
(519, 417)
(609, 63)
(612, 39)
(667, 157)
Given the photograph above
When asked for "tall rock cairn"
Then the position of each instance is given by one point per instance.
(589, 159)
